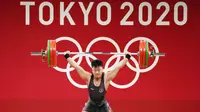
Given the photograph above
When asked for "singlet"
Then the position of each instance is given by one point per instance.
(97, 94)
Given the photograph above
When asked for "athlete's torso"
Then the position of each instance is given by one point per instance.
(97, 93)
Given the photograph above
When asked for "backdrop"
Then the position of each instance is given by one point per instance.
(28, 85)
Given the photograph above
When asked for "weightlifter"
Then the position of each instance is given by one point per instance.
(97, 82)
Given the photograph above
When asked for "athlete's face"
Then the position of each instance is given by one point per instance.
(97, 71)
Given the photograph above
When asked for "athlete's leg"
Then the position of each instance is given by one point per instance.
(88, 107)
(106, 108)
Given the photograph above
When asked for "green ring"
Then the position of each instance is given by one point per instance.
(48, 52)
(147, 54)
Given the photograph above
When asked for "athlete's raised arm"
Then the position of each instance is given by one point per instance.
(113, 73)
(81, 72)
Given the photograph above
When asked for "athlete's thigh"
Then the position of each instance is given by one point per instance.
(88, 107)
(106, 108)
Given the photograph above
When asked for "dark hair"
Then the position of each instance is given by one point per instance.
(96, 63)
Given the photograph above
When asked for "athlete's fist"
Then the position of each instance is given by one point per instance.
(127, 55)
(66, 54)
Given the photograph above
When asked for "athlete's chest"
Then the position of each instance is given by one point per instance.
(97, 90)
(97, 87)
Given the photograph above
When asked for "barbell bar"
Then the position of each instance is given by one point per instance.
(85, 53)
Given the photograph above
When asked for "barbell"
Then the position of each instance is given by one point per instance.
(51, 53)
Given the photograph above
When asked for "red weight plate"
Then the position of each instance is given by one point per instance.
(141, 51)
(54, 57)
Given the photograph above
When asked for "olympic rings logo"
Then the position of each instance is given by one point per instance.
(106, 68)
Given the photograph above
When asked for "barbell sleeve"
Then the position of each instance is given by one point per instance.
(36, 54)
(159, 54)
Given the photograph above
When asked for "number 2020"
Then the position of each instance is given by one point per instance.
(160, 21)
